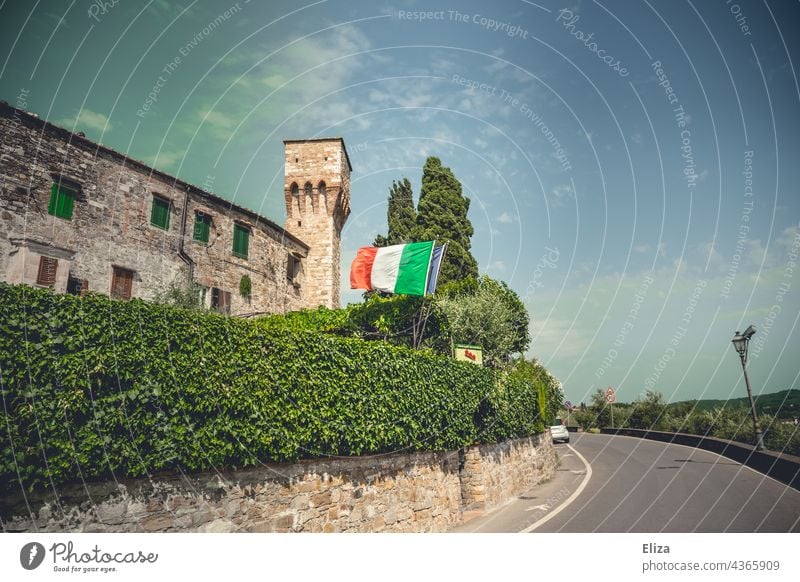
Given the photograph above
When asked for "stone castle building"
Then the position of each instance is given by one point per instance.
(76, 216)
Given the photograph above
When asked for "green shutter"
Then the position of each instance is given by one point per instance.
(240, 241)
(159, 216)
(67, 199)
(201, 227)
(62, 200)
(51, 209)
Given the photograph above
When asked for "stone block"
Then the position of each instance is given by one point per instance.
(156, 522)
(259, 526)
(300, 501)
(321, 499)
(112, 512)
(282, 522)
(218, 526)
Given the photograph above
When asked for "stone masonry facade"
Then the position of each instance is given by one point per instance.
(122, 228)
(398, 492)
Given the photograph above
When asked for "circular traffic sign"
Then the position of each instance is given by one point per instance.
(568, 405)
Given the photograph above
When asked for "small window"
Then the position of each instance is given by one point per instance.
(121, 283)
(221, 300)
(159, 216)
(322, 190)
(77, 286)
(202, 225)
(48, 267)
(293, 268)
(201, 291)
(62, 200)
(241, 241)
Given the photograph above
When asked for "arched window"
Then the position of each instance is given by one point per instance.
(309, 195)
(323, 195)
(294, 189)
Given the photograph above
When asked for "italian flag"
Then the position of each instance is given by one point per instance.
(399, 269)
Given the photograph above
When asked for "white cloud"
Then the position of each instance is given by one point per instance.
(707, 252)
(789, 239)
(86, 119)
(560, 194)
(167, 159)
(557, 338)
(505, 218)
(497, 266)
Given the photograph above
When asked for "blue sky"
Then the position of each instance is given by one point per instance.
(632, 166)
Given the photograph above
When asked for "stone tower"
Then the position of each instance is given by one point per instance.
(317, 191)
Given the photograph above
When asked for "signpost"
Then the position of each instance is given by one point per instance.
(469, 353)
(611, 397)
(569, 406)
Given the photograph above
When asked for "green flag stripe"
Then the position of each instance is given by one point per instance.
(413, 271)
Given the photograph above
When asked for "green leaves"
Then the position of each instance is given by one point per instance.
(93, 386)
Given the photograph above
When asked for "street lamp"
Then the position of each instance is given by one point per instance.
(740, 341)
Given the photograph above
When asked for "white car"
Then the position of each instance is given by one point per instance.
(559, 433)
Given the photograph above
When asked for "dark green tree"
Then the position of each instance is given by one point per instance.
(401, 215)
(442, 215)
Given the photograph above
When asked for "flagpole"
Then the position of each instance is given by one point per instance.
(428, 270)
(441, 260)
(416, 321)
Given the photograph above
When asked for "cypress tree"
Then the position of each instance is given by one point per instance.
(401, 216)
(442, 215)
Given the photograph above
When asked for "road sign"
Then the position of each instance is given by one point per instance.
(467, 353)
(568, 405)
(611, 396)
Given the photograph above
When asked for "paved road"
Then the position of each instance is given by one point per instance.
(636, 485)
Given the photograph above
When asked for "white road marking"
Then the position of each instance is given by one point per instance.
(544, 507)
(569, 500)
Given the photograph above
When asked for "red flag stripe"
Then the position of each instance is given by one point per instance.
(361, 268)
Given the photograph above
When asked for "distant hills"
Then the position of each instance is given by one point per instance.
(783, 404)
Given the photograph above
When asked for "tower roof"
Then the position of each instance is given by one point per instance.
(318, 139)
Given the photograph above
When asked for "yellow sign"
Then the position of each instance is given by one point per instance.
(467, 353)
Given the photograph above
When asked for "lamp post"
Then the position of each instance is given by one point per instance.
(740, 341)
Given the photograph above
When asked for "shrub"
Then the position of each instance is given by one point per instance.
(245, 286)
(93, 387)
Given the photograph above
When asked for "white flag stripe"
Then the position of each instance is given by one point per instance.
(386, 267)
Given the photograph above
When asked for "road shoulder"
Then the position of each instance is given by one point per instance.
(537, 505)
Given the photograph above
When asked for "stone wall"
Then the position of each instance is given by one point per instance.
(399, 492)
(111, 224)
(494, 474)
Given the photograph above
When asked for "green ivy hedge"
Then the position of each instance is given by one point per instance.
(93, 387)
